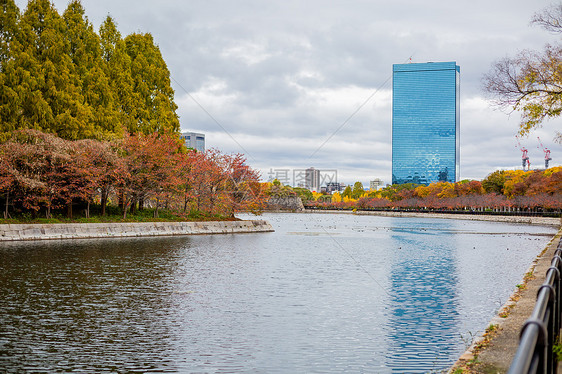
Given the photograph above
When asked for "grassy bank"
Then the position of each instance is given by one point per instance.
(145, 215)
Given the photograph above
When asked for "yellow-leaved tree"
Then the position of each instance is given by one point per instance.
(336, 197)
(512, 177)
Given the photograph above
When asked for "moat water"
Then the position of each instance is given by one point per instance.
(324, 293)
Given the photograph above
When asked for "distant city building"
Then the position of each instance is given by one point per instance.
(333, 187)
(312, 179)
(375, 184)
(194, 140)
(425, 123)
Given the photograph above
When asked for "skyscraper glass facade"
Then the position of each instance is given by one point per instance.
(425, 122)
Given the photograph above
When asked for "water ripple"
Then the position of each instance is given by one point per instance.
(323, 294)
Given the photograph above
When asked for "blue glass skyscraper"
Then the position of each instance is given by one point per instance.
(425, 122)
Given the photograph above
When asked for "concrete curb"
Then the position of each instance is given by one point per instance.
(16, 232)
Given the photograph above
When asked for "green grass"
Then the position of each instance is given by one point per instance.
(145, 215)
(491, 328)
(557, 349)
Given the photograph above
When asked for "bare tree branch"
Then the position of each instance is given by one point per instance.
(530, 82)
(550, 18)
(502, 83)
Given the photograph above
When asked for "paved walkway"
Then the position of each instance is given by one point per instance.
(494, 352)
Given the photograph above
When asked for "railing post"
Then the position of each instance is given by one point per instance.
(549, 319)
(555, 315)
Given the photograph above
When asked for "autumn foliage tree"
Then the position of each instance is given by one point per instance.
(39, 171)
(102, 168)
(531, 81)
(149, 167)
(222, 182)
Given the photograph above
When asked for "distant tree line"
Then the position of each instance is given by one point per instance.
(502, 190)
(58, 75)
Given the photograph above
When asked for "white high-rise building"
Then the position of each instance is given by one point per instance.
(312, 179)
(194, 140)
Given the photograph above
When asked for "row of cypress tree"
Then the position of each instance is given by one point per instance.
(58, 75)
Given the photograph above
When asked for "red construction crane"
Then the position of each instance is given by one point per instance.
(546, 153)
(524, 155)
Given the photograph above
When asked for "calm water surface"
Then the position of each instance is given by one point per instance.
(323, 294)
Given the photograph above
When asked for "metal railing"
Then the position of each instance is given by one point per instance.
(535, 353)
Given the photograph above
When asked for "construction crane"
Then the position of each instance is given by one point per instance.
(546, 153)
(524, 155)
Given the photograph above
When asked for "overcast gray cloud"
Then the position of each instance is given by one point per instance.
(281, 77)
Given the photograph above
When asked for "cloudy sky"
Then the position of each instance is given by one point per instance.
(294, 84)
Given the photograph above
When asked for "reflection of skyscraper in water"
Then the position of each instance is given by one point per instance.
(423, 311)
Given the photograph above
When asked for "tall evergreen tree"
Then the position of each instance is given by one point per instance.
(84, 48)
(22, 104)
(155, 109)
(358, 190)
(44, 77)
(9, 98)
(116, 65)
(9, 17)
(58, 76)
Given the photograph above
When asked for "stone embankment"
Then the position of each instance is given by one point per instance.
(13, 232)
(548, 221)
(285, 203)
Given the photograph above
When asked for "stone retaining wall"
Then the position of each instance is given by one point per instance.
(291, 203)
(12, 232)
(475, 217)
(548, 221)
